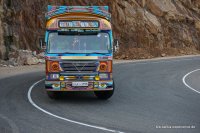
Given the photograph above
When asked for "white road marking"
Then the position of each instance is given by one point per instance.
(104, 128)
(184, 78)
(62, 118)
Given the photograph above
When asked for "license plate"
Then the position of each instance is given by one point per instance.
(79, 83)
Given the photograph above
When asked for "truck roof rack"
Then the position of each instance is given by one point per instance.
(59, 10)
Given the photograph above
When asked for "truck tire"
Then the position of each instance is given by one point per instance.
(54, 94)
(104, 95)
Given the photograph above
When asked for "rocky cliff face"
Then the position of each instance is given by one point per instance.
(145, 28)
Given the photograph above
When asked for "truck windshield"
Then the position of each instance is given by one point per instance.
(99, 43)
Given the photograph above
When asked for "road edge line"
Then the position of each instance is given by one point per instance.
(62, 118)
(184, 82)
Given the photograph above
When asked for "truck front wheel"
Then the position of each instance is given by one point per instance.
(104, 95)
(53, 94)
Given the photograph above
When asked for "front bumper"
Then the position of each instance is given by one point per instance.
(67, 86)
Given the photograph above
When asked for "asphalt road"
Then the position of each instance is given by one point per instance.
(150, 97)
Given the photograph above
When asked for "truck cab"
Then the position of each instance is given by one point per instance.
(79, 50)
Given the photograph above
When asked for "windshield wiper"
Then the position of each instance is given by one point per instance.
(60, 54)
(68, 53)
(96, 53)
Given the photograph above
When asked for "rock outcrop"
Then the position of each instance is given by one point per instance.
(23, 57)
(145, 28)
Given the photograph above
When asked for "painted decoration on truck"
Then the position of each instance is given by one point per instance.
(59, 10)
(56, 24)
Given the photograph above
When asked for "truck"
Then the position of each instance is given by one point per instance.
(79, 49)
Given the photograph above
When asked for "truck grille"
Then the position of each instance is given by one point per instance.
(79, 66)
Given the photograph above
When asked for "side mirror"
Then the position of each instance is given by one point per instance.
(116, 46)
(42, 43)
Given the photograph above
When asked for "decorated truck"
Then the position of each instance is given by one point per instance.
(79, 50)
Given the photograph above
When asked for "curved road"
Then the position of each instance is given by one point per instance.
(150, 97)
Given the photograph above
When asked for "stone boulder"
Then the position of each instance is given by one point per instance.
(31, 61)
(21, 57)
(40, 55)
(13, 62)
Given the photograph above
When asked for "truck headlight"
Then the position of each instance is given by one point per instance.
(54, 76)
(103, 76)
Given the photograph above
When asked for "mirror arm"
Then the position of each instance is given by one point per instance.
(42, 43)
